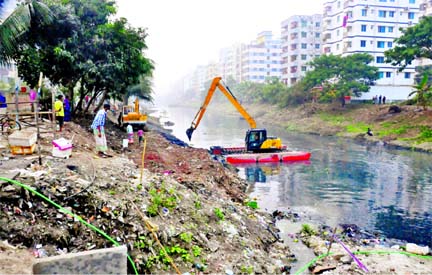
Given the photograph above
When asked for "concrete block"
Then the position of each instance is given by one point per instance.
(99, 261)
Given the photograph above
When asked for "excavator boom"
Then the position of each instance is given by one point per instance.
(216, 83)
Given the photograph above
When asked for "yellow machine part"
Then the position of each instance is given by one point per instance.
(272, 143)
(134, 116)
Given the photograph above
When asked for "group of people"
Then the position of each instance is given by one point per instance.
(379, 100)
(130, 133)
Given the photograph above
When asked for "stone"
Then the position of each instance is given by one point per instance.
(99, 261)
(416, 249)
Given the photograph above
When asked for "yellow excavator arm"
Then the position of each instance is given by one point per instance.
(216, 83)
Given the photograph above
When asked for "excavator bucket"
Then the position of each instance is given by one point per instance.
(189, 132)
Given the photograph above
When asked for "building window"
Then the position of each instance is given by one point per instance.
(337, 33)
(388, 74)
(303, 57)
(380, 75)
(317, 46)
(410, 15)
(390, 29)
(382, 13)
(380, 44)
(381, 28)
(317, 35)
(303, 68)
(391, 13)
(412, 1)
(364, 12)
(303, 34)
(363, 28)
(362, 43)
(317, 24)
(383, 0)
(380, 59)
(390, 44)
(407, 75)
(303, 45)
(337, 46)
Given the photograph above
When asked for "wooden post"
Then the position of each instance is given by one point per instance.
(37, 117)
(53, 120)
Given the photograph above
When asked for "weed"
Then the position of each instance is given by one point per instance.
(196, 251)
(357, 128)
(186, 237)
(197, 204)
(247, 269)
(161, 198)
(219, 214)
(112, 192)
(307, 229)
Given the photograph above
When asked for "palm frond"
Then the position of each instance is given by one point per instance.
(17, 23)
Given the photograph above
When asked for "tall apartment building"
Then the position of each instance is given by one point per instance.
(301, 43)
(230, 62)
(370, 26)
(261, 58)
(425, 10)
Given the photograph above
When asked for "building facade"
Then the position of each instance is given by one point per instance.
(261, 59)
(301, 43)
(230, 62)
(371, 26)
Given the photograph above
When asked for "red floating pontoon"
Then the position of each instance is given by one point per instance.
(268, 157)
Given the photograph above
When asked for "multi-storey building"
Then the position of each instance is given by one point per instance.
(301, 43)
(230, 62)
(261, 58)
(425, 10)
(370, 26)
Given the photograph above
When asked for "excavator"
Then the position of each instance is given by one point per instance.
(256, 140)
(131, 115)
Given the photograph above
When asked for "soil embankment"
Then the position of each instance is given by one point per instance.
(193, 204)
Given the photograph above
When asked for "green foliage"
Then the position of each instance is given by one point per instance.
(425, 134)
(219, 214)
(246, 269)
(390, 130)
(307, 229)
(196, 251)
(340, 76)
(197, 203)
(423, 90)
(161, 197)
(414, 43)
(186, 237)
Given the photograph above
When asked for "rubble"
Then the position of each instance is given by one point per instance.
(191, 204)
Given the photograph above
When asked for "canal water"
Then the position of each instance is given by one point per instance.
(379, 189)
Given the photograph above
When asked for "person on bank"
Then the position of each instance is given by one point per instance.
(59, 111)
(98, 127)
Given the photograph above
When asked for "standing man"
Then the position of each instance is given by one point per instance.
(67, 109)
(98, 127)
(59, 111)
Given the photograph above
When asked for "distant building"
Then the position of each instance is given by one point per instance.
(425, 10)
(370, 27)
(261, 58)
(8, 73)
(230, 62)
(301, 43)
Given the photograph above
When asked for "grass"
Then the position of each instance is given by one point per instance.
(357, 128)
(333, 119)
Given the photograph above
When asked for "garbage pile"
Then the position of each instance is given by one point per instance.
(184, 213)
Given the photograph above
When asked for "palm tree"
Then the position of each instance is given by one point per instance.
(422, 89)
(17, 23)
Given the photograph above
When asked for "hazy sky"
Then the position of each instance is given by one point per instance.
(187, 33)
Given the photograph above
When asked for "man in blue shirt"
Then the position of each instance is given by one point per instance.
(98, 127)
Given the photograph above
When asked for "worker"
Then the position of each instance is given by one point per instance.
(59, 111)
(130, 133)
(98, 127)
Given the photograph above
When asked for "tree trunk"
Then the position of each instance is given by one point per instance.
(101, 101)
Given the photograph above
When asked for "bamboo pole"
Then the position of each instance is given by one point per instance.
(36, 109)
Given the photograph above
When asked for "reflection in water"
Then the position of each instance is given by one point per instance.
(379, 189)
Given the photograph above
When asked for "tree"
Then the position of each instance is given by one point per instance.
(341, 76)
(423, 91)
(414, 43)
(18, 23)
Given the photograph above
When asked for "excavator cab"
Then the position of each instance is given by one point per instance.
(257, 141)
(254, 139)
